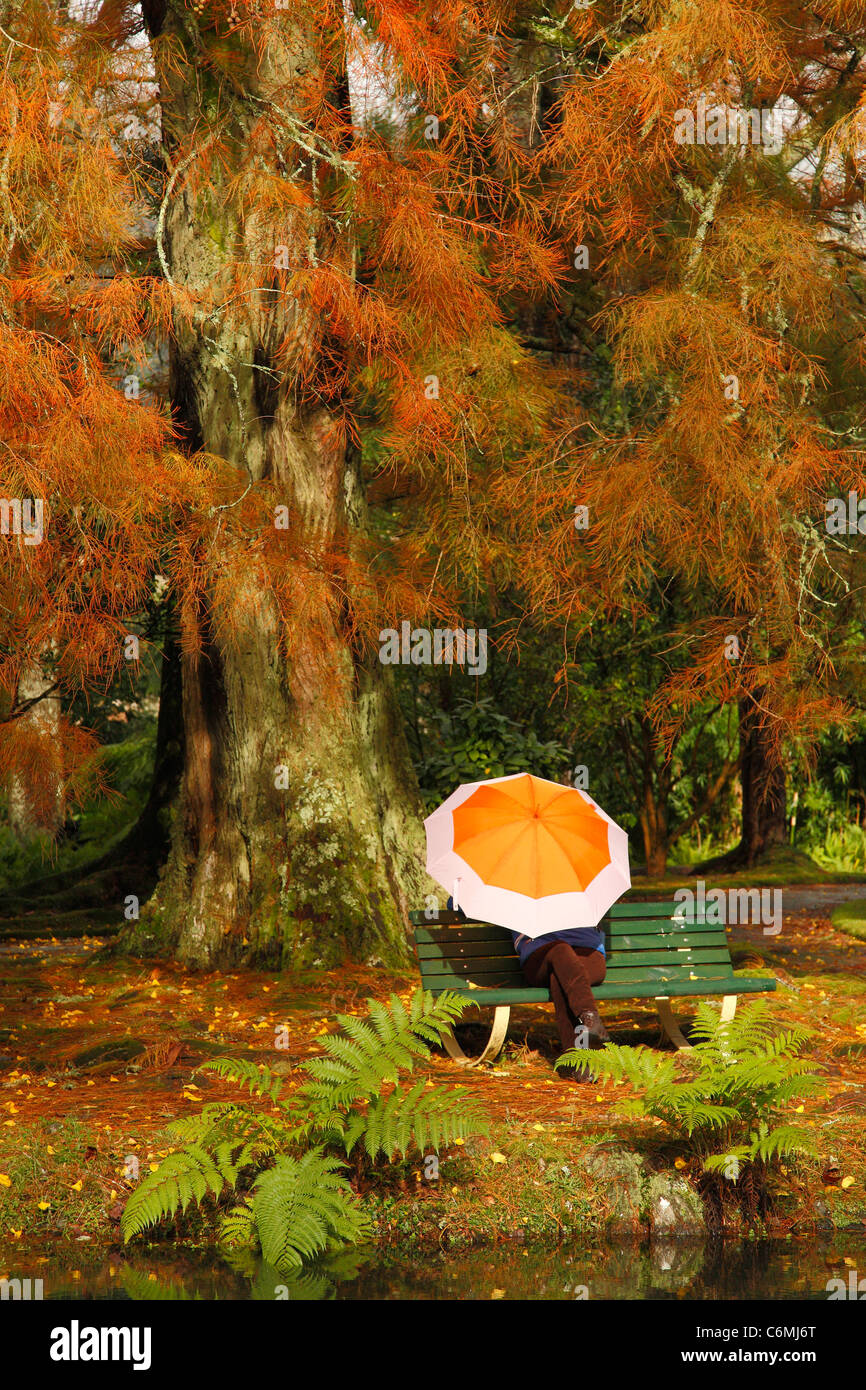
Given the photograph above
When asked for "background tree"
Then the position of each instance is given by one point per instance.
(724, 292)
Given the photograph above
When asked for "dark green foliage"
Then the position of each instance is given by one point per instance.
(476, 740)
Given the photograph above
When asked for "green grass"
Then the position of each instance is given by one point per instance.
(850, 918)
(783, 868)
(60, 1176)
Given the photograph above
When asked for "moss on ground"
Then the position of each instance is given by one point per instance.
(851, 918)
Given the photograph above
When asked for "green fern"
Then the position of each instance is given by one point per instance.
(282, 1153)
(418, 1118)
(238, 1230)
(378, 1049)
(343, 1101)
(740, 1077)
(182, 1177)
(303, 1207)
(258, 1079)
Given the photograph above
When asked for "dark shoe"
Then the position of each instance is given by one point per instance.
(598, 1034)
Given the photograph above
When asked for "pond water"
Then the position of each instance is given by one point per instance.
(735, 1269)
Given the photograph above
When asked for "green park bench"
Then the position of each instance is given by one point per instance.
(658, 951)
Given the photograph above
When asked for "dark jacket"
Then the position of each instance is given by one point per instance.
(575, 936)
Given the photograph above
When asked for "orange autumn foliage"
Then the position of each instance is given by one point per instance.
(408, 261)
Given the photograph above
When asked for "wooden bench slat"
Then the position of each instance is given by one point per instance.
(485, 931)
(448, 950)
(618, 932)
(654, 926)
(445, 935)
(711, 970)
(643, 909)
(677, 989)
(674, 960)
(669, 941)
(479, 966)
(487, 998)
(471, 958)
(651, 990)
(447, 917)
(447, 979)
(490, 950)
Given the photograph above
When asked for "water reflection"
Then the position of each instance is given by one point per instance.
(663, 1269)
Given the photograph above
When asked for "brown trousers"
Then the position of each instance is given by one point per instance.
(568, 972)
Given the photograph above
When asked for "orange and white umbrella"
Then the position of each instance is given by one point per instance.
(527, 854)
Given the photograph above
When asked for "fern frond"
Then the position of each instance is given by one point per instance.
(188, 1175)
(379, 1052)
(716, 1163)
(301, 1206)
(255, 1077)
(784, 1140)
(418, 1118)
(238, 1229)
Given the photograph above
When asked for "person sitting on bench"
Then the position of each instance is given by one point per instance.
(568, 963)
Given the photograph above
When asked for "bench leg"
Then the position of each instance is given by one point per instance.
(729, 1007)
(670, 1025)
(672, 1028)
(492, 1047)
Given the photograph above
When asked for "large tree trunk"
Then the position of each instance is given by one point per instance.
(297, 835)
(652, 819)
(763, 783)
(762, 778)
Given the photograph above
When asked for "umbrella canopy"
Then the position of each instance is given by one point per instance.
(527, 854)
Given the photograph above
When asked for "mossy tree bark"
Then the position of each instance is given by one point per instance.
(320, 861)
